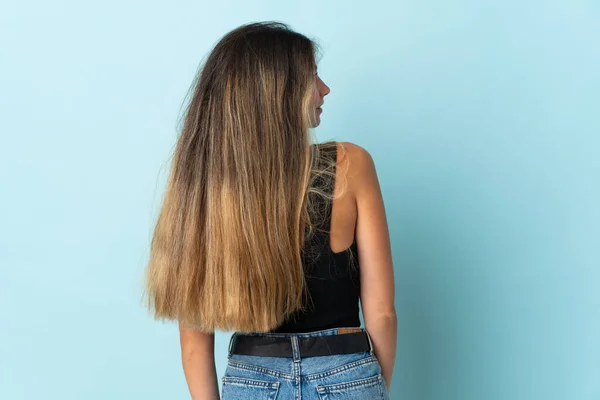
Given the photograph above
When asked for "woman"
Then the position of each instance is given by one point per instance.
(267, 234)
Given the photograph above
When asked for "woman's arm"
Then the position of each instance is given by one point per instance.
(375, 255)
(383, 332)
(198, 359)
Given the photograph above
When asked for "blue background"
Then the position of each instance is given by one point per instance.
(482, 118)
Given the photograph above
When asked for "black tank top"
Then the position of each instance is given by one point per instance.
(333, 284)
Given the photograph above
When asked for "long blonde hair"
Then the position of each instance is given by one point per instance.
(226, 253)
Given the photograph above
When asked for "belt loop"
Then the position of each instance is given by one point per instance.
(295, 349)
(229, 347)
(371, 351)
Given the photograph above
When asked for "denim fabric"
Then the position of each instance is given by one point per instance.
(333, 377)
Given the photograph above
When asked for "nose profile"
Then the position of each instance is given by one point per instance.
(325, 89)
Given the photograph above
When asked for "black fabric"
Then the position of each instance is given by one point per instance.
(333, 285)
(308, 347)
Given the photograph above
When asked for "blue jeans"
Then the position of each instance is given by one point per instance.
(332, 377)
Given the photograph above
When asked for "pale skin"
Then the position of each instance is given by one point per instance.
(363, 201)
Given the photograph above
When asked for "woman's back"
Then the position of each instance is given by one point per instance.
(353, 260)
(332, 280)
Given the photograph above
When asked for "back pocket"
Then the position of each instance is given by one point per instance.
(360, 389)
(244, 388)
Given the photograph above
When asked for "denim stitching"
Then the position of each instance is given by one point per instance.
(276, 392)
(365, 382)
(266, 371)
(250, 382)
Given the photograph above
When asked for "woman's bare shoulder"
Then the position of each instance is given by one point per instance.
(357, 162)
